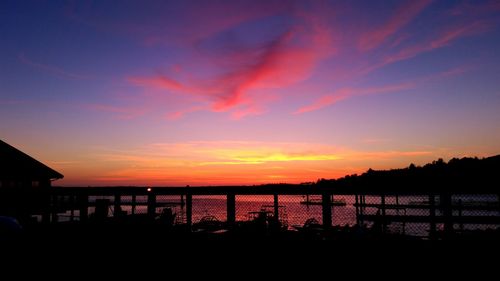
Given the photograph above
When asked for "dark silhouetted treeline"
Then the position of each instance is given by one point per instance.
(465, 174)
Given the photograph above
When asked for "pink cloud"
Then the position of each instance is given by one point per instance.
(161, 82)
(402, 16)
(180, 113)
(249, 111)
(400, 39)
(289, 58)
(269, 70)
(323, 101)
(50, 68)
(346, 93)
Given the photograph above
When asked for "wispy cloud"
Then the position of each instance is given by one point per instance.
(346, 93)
(224, 70)
(249, 111)
(443, 39)
(401, 17)
(288, 58)
(51, 69)
(160, 81)
(179, 113)
(323, 101)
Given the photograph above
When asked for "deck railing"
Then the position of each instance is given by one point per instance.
(423, 214)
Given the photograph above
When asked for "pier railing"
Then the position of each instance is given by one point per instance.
(298, 208)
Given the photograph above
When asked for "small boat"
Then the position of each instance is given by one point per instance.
(265, 218)
(318, 201)
(208, 224)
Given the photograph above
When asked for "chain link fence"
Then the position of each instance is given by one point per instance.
(327, 216)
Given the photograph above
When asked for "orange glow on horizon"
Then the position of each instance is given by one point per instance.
(230, 163)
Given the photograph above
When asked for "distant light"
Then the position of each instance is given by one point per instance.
(149, 189)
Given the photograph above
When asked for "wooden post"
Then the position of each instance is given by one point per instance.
(276, 207)
(231, 210)
(72, 207)
(445, 202)
(151, 204)
(460, 215)
(432, 216)
(382, 207)
(327, 211)
(332, 207)
(189, 211)
(182, 201)
(498, 199)
(83, 203)
(133, 204)
(361, 209)
(101, 209)
(357, 209)
(54, 208)
(47, 206)
(117, 207)
(397, 204)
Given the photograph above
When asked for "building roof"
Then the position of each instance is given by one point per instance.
(17, 165)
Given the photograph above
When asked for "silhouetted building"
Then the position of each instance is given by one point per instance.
(24, 183)
(19, 170)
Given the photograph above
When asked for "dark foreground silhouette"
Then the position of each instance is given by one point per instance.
(454, 201)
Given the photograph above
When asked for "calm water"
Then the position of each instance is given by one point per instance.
(290, 208)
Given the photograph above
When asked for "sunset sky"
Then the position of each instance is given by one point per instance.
(170, 93)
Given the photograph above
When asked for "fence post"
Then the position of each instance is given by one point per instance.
(72, 207)
(460, 215)
(327, 210)
(55, 202)
(231, 209)
(151, 204)
(45, 196)
(498, 199)
(117, 208)
(133, 203)
(276, 207)
(356, 203)
(432, 216)
(83, 203)
(384, 219)
(189, 211)
(445, 202)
